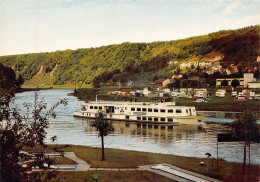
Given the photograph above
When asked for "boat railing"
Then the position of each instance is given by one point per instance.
(131, 103)
(120, 103)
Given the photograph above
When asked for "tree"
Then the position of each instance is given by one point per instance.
(224, 83)
(22, 135)
(7, 77)
(175, 84)
(245, 128)
(104, 127)
(235, 83)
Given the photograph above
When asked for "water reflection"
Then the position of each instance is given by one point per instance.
(157, 131)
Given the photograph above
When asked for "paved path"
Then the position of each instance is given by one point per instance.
(177, 173)
(81, 164)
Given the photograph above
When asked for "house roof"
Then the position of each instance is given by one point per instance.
(160, 81)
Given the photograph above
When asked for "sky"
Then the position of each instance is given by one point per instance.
(30, 26)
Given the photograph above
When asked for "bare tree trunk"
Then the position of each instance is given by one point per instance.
(103, 150)
(249, 154)
(244, 163)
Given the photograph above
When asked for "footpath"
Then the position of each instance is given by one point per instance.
(167, 170)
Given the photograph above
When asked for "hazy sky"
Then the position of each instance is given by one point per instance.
(28, 26)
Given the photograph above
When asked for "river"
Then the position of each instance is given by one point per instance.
(192, 141)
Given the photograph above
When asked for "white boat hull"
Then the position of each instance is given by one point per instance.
(178, 120)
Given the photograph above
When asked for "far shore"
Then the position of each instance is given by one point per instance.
(218, 104)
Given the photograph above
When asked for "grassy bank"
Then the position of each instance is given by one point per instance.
(111, 176)
(48, 87)
(227, 171)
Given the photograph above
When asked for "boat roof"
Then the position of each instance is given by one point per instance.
(118, 103)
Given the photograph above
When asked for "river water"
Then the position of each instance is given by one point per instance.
(186, 140)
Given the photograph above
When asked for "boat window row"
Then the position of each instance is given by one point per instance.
(143, 118)
(95, 107)
(100, 107)
(156, 110)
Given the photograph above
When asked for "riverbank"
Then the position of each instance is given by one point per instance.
(217, 104)
(226, 171)
(40, 87)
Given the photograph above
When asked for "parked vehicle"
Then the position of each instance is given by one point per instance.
(221, 93)
(241, 98)
(257, 97)
(234, 93)
(200, 100)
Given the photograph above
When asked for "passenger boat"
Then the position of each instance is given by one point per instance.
(162, 111)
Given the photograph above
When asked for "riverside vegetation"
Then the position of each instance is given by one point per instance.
(142, 62)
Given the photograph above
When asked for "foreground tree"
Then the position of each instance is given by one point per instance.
(245, 129)
(20, 136)
(104, 127)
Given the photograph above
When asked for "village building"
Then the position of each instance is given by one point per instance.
(166, 82)
(159, 83)
(255, 84)
(258, 59)
(248, 77)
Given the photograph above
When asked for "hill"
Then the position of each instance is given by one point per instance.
(136, 61)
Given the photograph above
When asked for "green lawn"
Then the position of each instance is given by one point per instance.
(227, 171)
(111, 176)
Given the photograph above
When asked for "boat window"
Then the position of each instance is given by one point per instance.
(170, 119)
(155, 110)
(84, 108)
(162, 119)
(155, 119)
(95, 107)
(125, 108)
(100, 107)
(138, 109)
(150, 110)
(163, 110)
(178, 110)
(91, 107)
(187, 111)
(126, 117)
(144, 118)
(143, 109)
(138, 118)
(132, 108)
(150, 119)
(170, 110)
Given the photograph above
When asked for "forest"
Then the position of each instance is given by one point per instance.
(142, 62)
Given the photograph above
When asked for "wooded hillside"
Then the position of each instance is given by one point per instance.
(134, 61)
